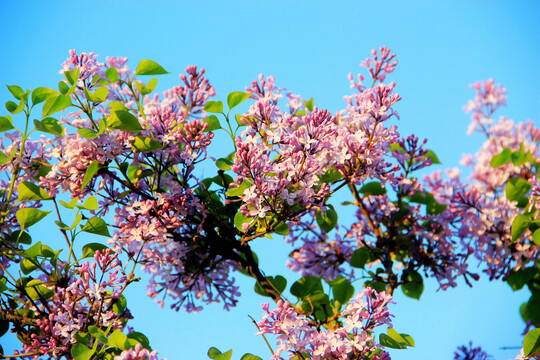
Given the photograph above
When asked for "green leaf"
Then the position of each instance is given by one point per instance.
(36, 291)
(250, 357)
(88, 133)
(149, 67)
(98, 334)
(519, 226)
(82, 338)
(214, 106)
(215, 354)
(119, 305)
(282, 228)
(14, 108)
(224, 164)
(71, 204)
(28, 191)
(330, 176)
(236, 98)
(306, 286)
(309, 104)
(536, 237)
(5, 159)
(396, 336)
(64, 88)
(240, 219)
(213, 123)
(144, 144)
(531, 343)
(90, 172)
(342, 289)
(373, 188)
(20, 237)
(98, 96)
(239, 190)
(387, 341)
(140, 338)
(55, 104)
(72, 76)
(533, 309)
(408, 339)
(6, 123)
(434, 158)
(516, 188)
(16, 91)
(96, 226)
(414, 285)
(49, 125)
(327, 221)
(279, 283)
(124, 120)
(360, 257)
(41, 94)
(145, 90)
(112, 75)
(90, 204)
(33, 251)
(395, 340)
(118, 339)
(518, 279)
(422, 197)
(89, 250)
(27, 266)
(30, 216)
(81, 352)
(117, 105)
(4, 327)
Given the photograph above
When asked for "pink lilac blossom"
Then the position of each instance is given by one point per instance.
(137, 353)
(282, 155)
(24, 166)
(319, 254)
(483, 214)
(80, 299)
(366, 311)
(471, 353)
(155, 213)
(489, 97)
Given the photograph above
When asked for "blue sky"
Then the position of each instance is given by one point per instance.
(310, 47)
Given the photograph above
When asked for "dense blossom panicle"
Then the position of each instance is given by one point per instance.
(87, 64)
(366, 311)
(471, 353)
(28, 165)
(379, 67)
(318, 254)
(265, 88)
(480, 211)
(282, 156)
(137, 353)
(79, 299)
(489, 97)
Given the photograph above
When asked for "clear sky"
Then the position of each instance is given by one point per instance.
(310, 47)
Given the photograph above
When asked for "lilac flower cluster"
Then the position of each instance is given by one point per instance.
(81, 299)
(482, 214)
(354, 337)
(137, 353)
